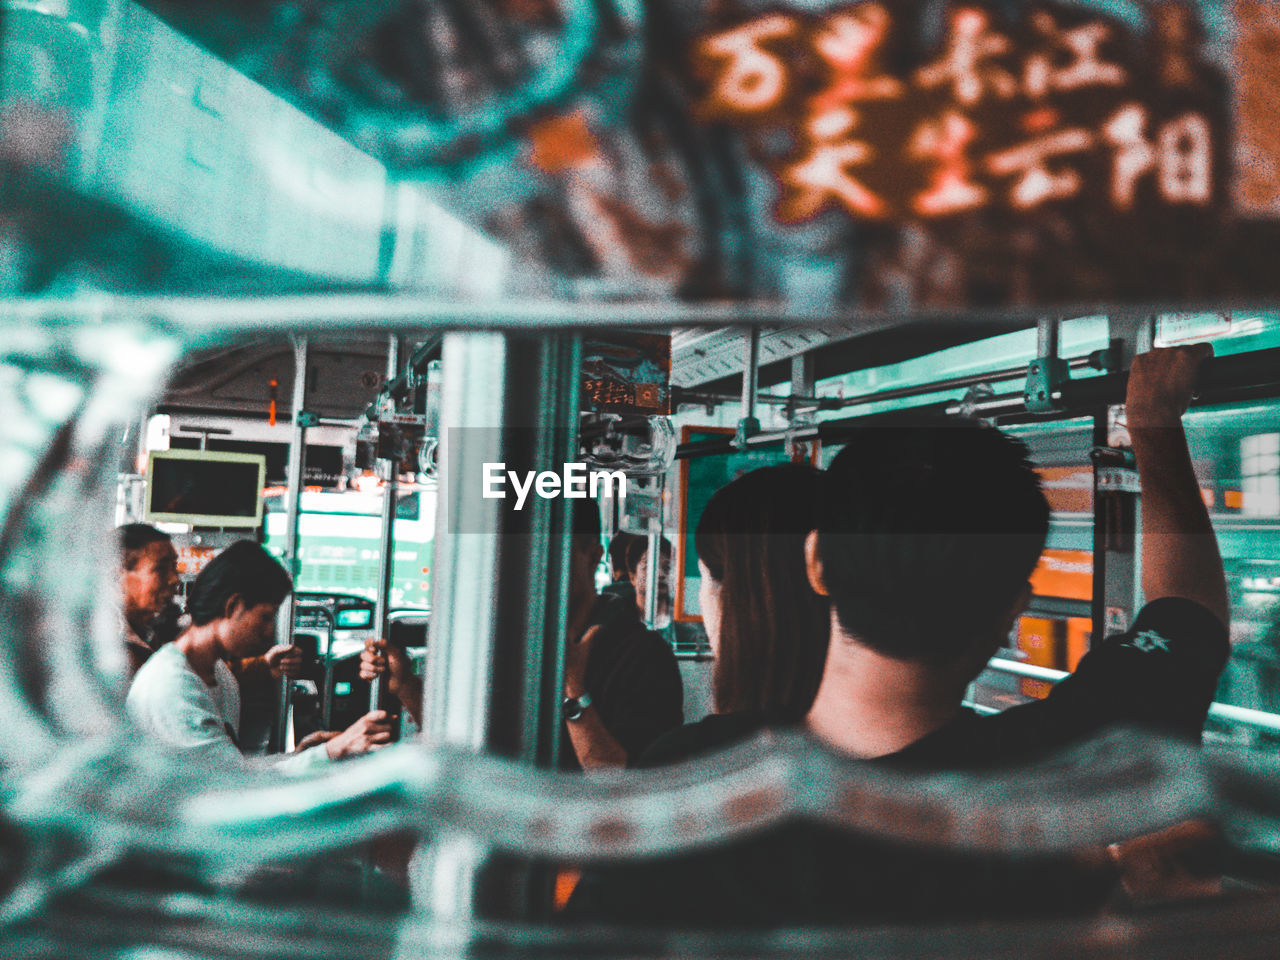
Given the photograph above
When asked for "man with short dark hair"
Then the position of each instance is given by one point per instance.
(148, 584)
(925, 550)
(954, 514)
(186, 695)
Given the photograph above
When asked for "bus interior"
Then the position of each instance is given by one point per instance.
(371, 250)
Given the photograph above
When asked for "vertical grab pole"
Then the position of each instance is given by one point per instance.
(563, 375)
(458, 671)
(493, 679)
(386, 551)
(458, 675)
(1117, 524)
(326, 699)
(654, 559)
(297, 457)
(1048, 332)
(748, 425)
(751, 373)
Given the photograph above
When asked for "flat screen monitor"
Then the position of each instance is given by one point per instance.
(205, 488)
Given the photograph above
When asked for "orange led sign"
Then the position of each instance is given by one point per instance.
(992, 115)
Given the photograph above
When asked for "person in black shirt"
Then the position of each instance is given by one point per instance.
(622, 687)
(928, 538)
(954, 514)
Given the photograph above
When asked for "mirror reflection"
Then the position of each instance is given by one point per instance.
(905, 559)
(639, 467)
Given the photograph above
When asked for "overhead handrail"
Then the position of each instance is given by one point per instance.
(703, 397)
(1222, 379)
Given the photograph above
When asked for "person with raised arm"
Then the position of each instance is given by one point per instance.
(926, 541)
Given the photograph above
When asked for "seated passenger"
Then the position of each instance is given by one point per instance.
(925, 546)
(622, 687)
(186, 694)
(148, 584)
(767, 627)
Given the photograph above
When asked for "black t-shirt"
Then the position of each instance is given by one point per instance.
(633, 680)
(622, 589)
(1161, 674)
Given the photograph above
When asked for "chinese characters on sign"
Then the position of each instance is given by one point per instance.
(1052, 108)
(627, 373)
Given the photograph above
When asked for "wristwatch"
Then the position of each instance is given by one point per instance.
(572, 708)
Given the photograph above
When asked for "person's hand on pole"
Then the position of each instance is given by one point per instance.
(370, 732)
(284, 660)
(1180, 556)
(1162, 385)
(381, 658)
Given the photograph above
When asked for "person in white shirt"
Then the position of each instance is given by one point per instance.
(185, 694)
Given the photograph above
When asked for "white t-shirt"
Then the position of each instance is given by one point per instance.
(170, 701)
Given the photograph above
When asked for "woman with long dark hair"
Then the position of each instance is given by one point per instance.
(767, 627)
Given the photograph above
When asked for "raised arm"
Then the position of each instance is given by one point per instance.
(1180, 555)
(383, 658)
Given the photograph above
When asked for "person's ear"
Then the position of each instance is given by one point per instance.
(234, 605)
(813, 565)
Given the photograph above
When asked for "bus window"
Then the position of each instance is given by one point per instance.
(339, 541)
(1236, 450)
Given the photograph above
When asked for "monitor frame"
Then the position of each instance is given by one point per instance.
(206, 519)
